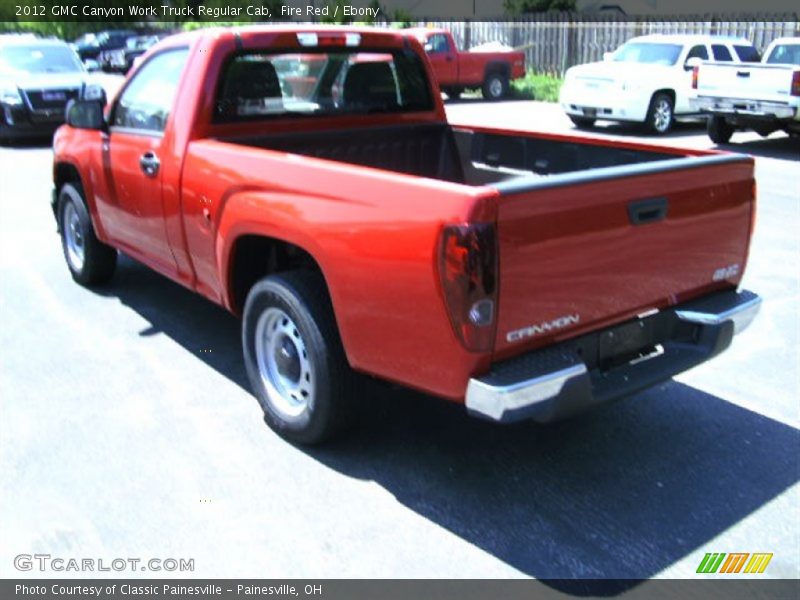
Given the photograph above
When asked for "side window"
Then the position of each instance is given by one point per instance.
(698, 52)
(747, 53)
(146, 101)
(438, 43)
(721, 53)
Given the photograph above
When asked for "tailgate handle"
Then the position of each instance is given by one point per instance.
(651, 210)
(743, 73)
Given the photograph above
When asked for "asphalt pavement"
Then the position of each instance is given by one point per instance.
(127, 431)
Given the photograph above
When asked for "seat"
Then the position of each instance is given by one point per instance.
(370, 85)
(251, 88)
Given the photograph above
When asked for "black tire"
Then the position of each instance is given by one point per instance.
(765, 130)
(453, 93)
(89, 260)
(311, 336)
(495, 86)
(719, 130)
(582, 122)
(661, 113)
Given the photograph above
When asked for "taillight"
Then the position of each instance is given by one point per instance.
(468, 271)
(695, 73)
(796, 84)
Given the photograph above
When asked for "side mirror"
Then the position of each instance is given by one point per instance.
(608, 56)
(86, 114)
(91, 65)
(693, 62)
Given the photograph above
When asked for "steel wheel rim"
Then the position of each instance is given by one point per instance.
(662, 116)
(283, 364)
(496, 87)
(73, 237)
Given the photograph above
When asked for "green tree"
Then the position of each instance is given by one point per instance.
(518, 7)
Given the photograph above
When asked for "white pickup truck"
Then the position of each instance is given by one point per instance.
(646, 80)
(764, 97)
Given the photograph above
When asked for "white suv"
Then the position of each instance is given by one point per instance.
(647, 80)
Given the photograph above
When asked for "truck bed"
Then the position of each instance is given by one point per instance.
(469, 157)
(598, 230)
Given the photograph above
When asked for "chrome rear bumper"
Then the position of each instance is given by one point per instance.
(562, 380)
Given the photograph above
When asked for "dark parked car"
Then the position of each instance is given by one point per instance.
(90, 45)
(37, 79)
(121, 59)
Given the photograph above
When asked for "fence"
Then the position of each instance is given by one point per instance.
(555, 44)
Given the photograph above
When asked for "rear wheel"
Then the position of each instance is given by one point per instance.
(294, 358)
(89, 260)
(581, 122)
(661, 113)
(495, 86)
(719, 130)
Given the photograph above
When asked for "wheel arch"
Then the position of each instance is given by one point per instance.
(253, 256)
(66, 171)
(497, 66)
(669, 92)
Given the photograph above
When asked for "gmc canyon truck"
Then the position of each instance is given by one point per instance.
(357, 232)
(491, 71)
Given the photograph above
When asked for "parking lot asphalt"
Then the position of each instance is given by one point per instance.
(127, 430)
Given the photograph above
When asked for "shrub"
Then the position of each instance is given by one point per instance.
(537, 86)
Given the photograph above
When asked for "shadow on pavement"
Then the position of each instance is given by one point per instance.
(32, 143)
(784, 147)
(679, 130)
(187, 318)
(478, 99)
(622, 492)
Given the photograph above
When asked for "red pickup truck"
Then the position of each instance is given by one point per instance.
(491, 71)
(357, 232)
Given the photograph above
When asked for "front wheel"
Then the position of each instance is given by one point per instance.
(581, 122)
(719, 130)
(660, 114)
(89, 260)
(495, 86)
(453, 93)
(294, 357)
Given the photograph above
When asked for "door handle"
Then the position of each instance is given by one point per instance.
(450, 58)
(743, 73)
(149, 164)
(652, 210)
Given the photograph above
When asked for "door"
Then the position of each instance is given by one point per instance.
(444, 58)
(133, 152)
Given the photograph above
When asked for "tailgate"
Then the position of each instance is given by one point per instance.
(746, 81)
(583, 251)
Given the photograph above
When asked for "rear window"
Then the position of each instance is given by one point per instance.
(259, 85)
(784, 54)
(747, 53)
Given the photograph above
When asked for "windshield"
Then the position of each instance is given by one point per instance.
(652, 54)
(39, 59)
(784, 54)
(260, 84)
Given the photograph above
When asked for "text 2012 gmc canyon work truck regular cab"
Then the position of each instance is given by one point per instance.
(358, 232)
